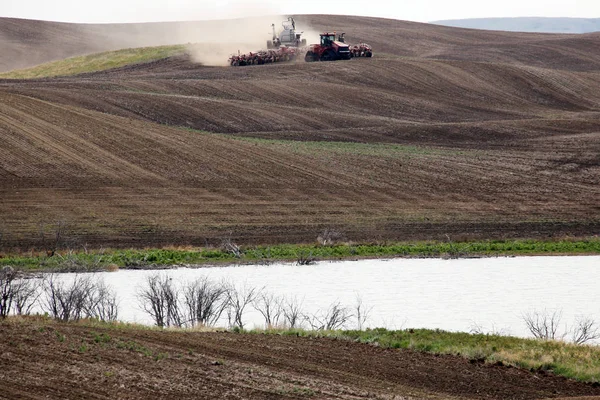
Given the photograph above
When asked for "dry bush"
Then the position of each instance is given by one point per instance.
(26, 295)
(543, 325)
(305, 258)
(230, 247)
(57, 234)
(7, 290)
(205, 301)
(67, 301)
(70, 262)
(102, 303)
(160, 299)
(271, 308)
(585, 330)
(361, 312)
(329, 236)
(335, 317)
(239, 299)
(292, 312)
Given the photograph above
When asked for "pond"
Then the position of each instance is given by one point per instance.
(457, 295)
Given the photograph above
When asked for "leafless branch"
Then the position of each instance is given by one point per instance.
(543, 325)
(239, 299)
(67, 301)
(205, 301)
(27, 294)
(102, 303)
(7, 290)
(585, 330)
(362, 313)
(160, 299)
(292, 312)
(334, 318)
(270, 306)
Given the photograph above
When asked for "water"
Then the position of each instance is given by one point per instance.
(454, 295)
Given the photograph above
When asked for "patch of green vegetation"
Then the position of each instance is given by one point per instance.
(148, 258)
(96, 62)
(579, 362)
(134, 347)
(101, 337)
(296, 391)
(369, 149)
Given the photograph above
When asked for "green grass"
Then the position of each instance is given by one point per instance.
(578, 362)
(368, 149)
(95, 62)
(74, 261)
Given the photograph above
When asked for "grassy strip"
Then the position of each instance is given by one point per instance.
(580, 362)
(95, 62)
(287, 252)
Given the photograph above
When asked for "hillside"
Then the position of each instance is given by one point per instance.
(446, 131)
(43, 359)
(527, 24)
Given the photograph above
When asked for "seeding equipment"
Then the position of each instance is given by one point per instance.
(289, 45)
(264, 57)
(288, 36)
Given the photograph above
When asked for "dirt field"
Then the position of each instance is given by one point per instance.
(89, 362)
(445, 131)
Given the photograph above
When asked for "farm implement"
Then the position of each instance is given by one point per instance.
(289, 45)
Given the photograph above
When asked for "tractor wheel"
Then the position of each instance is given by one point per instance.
(368, 54)
(309, 57)
(328, 55)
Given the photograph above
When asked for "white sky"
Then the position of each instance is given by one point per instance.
(173, 10)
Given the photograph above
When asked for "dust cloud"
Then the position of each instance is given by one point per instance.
(216, 42)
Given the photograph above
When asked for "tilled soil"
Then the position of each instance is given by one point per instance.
(41, 359)
(445, 131)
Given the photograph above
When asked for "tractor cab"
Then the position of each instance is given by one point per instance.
(327, 39)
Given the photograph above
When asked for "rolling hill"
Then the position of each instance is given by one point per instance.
(446, 131)
(527, 24)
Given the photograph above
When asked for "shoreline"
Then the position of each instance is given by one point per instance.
(301, 254)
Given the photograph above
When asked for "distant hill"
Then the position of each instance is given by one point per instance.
(527, 24)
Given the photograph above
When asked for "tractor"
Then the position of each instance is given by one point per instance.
(288, 36)
(329, 49)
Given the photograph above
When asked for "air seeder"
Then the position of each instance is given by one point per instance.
(289, 45)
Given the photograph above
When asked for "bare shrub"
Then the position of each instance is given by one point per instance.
(478, 329)
(70, 262)
(102, 303)
(53, 243)
(160, 299)
(239, 299)
(329, 236)
(361, 312)
(26, 295)
(270, 306)
(543, 325)
(67, 301)
(7, 290)
(205, 301)
(305, 257)
(292, 312)
(585, 330)
(230, 247)
(335, 317)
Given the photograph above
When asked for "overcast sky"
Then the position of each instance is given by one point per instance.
(173, 10)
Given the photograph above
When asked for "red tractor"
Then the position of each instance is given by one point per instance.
(328, 50)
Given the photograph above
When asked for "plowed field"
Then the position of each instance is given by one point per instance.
(445, 131)
(41, 359)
